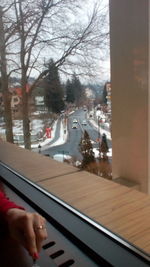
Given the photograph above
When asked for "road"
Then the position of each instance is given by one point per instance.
(71, 147)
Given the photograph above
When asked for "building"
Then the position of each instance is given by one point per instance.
(108, 90)
(130, 50)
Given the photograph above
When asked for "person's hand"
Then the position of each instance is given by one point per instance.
(28, 229)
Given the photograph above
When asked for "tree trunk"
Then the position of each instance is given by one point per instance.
(7, 109)
(25, 116)
(4, 83)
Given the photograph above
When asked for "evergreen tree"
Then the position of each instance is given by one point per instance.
(104, 166)
(105, 94)
(77, 89)
(53, 89)
(86, 150)
(104, 148)
(70, 97)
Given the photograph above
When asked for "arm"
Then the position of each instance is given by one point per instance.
(6, 204)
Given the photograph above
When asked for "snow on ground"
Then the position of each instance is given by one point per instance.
(96, 152)
(61, 140)
(103, 128)
(47, 140)
(61, 157)
(63, 136)
(37, 125)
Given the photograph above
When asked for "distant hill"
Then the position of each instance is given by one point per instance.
(96, 88)
(15, 80)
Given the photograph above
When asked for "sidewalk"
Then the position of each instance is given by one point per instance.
(48, 142)
(103, 129)
(103, 126)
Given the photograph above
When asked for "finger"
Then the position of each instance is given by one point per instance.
(40, 236)
(40, 231)
(30, 237)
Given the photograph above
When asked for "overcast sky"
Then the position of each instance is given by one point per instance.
(105, 70)
(103, 66)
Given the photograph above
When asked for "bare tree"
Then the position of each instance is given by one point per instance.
(52, 28)
(4, 79)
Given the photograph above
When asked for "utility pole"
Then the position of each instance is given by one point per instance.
(4, 82)
(39, 147)
(98, 122)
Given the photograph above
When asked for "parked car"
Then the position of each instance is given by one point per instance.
(75, 121)
(74, 126)
(84, 122)
(62, 157)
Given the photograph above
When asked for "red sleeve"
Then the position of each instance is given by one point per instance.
(6, 204)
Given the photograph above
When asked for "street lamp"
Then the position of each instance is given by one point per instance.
(98, 118)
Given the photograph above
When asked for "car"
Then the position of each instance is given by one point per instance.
(75, 121)
(74, 126)
(84, 122)
(62, 157)
(84, 108)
